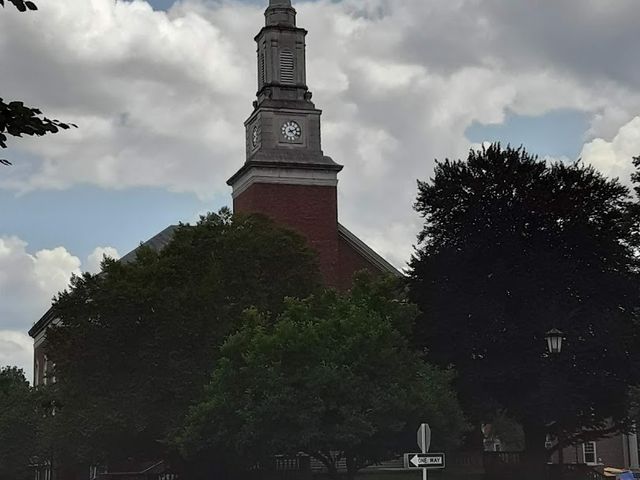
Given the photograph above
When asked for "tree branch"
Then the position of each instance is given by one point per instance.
(16, 119)
(583, 437)
(22, 5)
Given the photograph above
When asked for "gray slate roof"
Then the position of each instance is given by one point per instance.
(157, 242)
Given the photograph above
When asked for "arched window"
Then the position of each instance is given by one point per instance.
(287, 67)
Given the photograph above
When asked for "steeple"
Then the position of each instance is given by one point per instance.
(286, 175)
(280, 12)
(284, 128)
(283, 132)
(282, 73)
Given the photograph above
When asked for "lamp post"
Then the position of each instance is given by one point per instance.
(554, 339)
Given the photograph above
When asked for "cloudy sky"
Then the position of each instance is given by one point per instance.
(160, 90)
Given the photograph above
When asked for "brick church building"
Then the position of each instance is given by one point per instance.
(285, 176)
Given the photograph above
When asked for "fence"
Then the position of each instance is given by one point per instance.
(508, 465)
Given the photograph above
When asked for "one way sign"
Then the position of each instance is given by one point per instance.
(424, 460)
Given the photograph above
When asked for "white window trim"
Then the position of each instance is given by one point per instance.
(595, 453)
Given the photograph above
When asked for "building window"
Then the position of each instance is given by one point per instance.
(36, 375)
(287, 67)
(44, 370)
(590, 455)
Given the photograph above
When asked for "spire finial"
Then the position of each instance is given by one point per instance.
(280, 12)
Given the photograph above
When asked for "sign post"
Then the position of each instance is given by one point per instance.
(424, 437)
(424, 442)
(424, 460)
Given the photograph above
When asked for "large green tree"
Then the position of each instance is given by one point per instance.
(332, 376)
(17, 425)
(513, 246)
(137, 342)
(17, 119)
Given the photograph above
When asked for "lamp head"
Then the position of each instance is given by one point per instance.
(554, 339)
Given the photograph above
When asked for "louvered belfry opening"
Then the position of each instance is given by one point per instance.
(262, 77)
(287, 67)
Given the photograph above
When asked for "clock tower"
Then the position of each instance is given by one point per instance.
(286, 176)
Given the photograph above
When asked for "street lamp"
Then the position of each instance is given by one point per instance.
(554, 345)
(554, 340)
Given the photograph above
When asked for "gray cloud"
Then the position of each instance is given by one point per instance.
(161, 96)
(94, 259)
(16, 350)
(591, 39)
(28, 282)
(613, 157)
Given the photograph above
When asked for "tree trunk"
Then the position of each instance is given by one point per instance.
(535, 454)
(352, 466)
(327, 460)
(332, 471)
(560, 450)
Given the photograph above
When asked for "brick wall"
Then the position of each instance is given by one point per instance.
(310, 210)
(313, 212)
(350, 261)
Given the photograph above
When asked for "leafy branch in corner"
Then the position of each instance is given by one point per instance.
(16, 119)
(21, 5)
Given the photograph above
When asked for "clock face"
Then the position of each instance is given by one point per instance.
(291, 130)
(255, 136)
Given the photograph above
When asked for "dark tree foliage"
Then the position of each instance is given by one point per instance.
(635, 206)
(17, 425)
(16, 119)
(332, 376)
(635, 177)
(512, 247)
(137, 342)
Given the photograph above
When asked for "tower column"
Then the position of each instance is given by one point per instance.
(286, 176)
